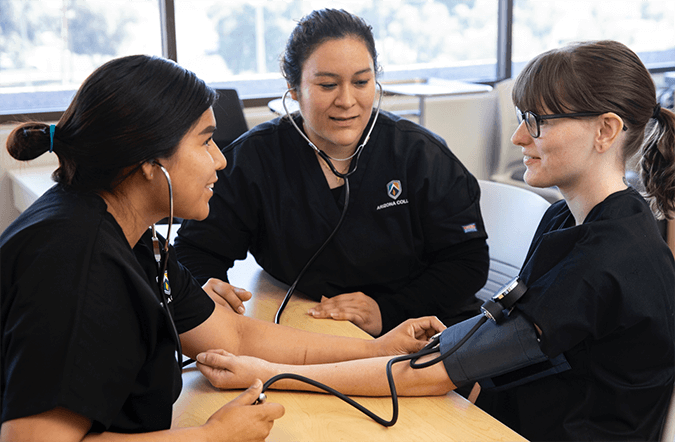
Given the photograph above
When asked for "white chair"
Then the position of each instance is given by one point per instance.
(668, 433)
(511, 215)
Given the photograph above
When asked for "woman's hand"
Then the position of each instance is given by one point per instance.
(227, 371)
(356, 307)
(227, 295)
(240, 420)
(409, 336)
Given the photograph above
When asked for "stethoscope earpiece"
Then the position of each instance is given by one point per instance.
(170, 221)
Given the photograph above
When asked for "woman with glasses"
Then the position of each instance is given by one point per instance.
(600, 278)
(96, 311)
(401, 211)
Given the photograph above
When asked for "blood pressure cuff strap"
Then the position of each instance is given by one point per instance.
(498, 356)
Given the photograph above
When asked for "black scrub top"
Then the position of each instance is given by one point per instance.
(602, 294)
(413, 237)
(82, 325)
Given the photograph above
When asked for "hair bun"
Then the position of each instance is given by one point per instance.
(28, 141)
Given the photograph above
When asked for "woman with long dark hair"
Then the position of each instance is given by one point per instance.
(96, 311)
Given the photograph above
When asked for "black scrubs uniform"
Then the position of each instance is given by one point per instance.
(602, 294)
(413, 238)
(82, 325)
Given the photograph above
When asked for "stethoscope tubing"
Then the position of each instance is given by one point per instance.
(162, 258)
(289, 293)
(327, 158)
(345, 176)
(432, 347)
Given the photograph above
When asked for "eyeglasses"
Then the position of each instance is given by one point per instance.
(533, 121)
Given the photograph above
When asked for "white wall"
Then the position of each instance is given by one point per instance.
(470, 126)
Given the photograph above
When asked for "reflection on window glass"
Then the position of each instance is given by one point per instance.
(646, 26)
(52, 45)
(224, 40)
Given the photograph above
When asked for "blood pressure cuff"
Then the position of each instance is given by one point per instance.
(498, 356)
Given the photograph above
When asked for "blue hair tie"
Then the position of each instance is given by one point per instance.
(52, 128)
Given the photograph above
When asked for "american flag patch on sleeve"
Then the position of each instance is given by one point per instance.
(470, 228)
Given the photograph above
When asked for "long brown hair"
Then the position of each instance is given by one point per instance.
(606, 76)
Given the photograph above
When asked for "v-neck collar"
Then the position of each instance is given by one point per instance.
(315, 174)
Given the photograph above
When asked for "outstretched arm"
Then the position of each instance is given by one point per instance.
(363, 377)
(242, 335)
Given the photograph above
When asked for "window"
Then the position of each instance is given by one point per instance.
(647, 27)
(47, 48)
(241, 41)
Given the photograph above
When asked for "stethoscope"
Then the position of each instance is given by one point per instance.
(162, 259)
(345, 176)
(495, 309)
(327, 158)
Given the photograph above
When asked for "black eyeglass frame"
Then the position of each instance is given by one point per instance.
(522, 116)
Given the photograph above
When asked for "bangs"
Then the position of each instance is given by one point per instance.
(548, 84)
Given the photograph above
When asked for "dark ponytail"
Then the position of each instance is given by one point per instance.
(128, 111)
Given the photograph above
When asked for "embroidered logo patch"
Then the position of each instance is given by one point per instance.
(394, 189)
(167, 288)
(469, 228)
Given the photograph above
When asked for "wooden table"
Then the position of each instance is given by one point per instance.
(322, 417)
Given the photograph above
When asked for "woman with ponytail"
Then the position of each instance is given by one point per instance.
(96, 312)
(88, 349)
(600, 278)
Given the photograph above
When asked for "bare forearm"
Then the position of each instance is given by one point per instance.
(243, 335)
(289, 345)
(367, 377)
(293, 346)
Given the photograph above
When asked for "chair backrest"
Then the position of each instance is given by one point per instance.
(511, 215)
(230, 120)
(668, 433)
